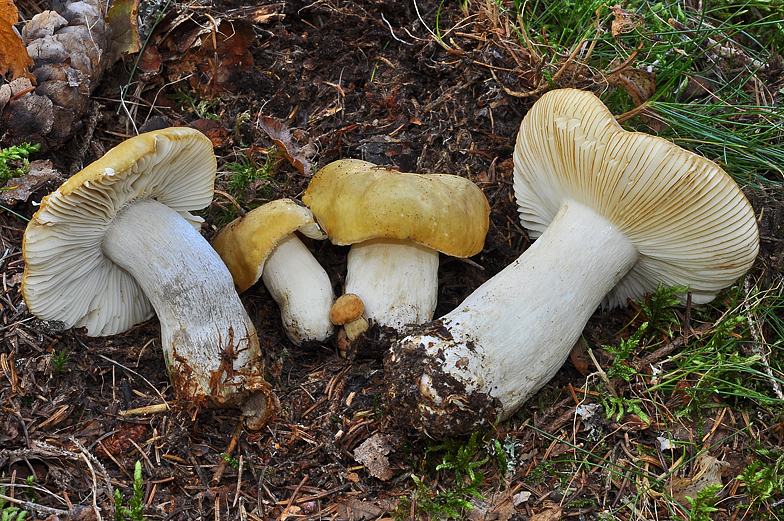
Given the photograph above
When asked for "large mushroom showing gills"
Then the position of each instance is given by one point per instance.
(396, 224)
(263, 244)
(616, 213)
(117, 243)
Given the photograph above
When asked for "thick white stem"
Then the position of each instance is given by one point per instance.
(397, 281)
(302, 289)
(510, 337)
(209, 342)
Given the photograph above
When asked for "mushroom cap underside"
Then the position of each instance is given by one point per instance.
(354, 201)
(245, 243)
(689, 220)
(67, 277)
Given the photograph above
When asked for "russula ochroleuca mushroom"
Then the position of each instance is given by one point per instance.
(397, 223)
(116, 243)
(618, 213)
(263, 244)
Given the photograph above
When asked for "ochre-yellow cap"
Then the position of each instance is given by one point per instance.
(354, 201)
(245, 243)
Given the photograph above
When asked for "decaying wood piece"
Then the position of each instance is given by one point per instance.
(40, 176)
(68, 46)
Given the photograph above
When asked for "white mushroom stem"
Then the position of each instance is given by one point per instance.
(397, 280)
(209, 342)
(302, 289)
(510, 336)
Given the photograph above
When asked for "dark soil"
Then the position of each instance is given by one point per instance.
(348, 79)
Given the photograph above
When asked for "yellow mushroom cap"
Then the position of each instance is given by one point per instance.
(245, 243)
(354, 201)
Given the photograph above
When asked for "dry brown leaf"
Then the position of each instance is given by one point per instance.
(281, 136)
(707, 472)
(76, 513)
(624, 21)
(206, 57)
(13, 52)
(125, 36)
(552, 514)
(214, 130)
(19, 189)
(260, 14)
(372, 453)
(640, 85)
(150, 62)
(291, 511)
(499, 507)
(356, 510)
(579, 357)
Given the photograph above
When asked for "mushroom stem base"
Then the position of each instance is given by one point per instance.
(302, 289)
(209, 342)
(396, 279)
(480, 362)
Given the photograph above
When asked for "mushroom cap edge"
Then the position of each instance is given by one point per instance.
(245, 243)
(355, 200)
(62, 242)
(689, 220)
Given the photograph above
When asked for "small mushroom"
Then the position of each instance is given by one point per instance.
(617, 213)
(116, 243)
(397, 223)
(263, 244)
(347, 312)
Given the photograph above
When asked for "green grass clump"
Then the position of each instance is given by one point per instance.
(14, 160)
(703, 74)
(461, 476)
(244, 171)
(59, 361)
(193, 101)
(703, 505)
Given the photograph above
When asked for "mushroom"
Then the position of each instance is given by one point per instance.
(263, 244)
(397, 223)
(116, 243)
(617, 213)
(347, 312)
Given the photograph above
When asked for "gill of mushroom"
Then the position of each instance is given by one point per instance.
(117, 244)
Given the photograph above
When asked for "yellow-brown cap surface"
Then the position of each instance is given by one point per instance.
(354, 201)
(245, 243)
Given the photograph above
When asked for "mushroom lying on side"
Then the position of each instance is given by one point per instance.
(618, 212)
(397, 223)
(116, 243)
(263, 244)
